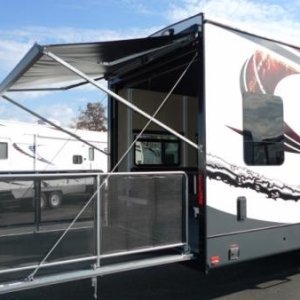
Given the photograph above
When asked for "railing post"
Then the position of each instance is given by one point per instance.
(98, 216)
(187, 247)
(37, 202)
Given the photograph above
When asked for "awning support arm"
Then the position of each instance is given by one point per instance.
(119, 98)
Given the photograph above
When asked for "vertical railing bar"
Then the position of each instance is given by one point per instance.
(98, 221)
(186, 211)
(37, 194)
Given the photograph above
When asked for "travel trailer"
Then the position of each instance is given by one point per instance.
(204, 142)
(30, 148)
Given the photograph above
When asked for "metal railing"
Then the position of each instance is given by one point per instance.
(131, 213)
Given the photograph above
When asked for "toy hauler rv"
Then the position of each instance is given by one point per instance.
(204, 145)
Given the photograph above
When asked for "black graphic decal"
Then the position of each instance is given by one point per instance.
(30, 155)
(218, 169)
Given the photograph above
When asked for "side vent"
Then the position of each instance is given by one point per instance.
(241, 208)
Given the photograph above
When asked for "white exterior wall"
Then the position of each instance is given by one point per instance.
(226, 52)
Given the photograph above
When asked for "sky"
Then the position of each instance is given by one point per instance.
(22, 23)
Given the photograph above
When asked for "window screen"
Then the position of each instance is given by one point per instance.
(3, 151)
(263, 129)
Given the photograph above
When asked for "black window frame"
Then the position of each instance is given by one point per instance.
(166, 138)
(77, 159)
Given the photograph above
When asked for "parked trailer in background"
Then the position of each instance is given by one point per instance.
(29, 147)
(204, 148)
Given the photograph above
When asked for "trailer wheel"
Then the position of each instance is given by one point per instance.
(55, 199)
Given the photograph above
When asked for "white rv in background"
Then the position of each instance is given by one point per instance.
(35, 147)
(26, 147)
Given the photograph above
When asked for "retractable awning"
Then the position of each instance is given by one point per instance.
(60, 67)
(37, 71)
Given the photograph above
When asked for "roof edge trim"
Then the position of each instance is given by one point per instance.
(246, 32)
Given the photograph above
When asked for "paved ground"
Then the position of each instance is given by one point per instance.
(277, 277)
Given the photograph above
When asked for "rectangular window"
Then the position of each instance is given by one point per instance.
(3, 150)
(157, 150)
(91, 154)
(263, 129)
(77, 159)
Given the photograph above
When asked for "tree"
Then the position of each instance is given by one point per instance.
(92, 117)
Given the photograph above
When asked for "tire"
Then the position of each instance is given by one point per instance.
(55, 199)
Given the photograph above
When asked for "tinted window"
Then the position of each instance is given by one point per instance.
(157, 149)
(263, 129)
(150, 153)
(3, 151)
(171, 153)
(77, 159)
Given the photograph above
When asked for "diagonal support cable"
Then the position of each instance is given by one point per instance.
(31, 276)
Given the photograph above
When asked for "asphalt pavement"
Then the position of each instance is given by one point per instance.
(276, 277)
